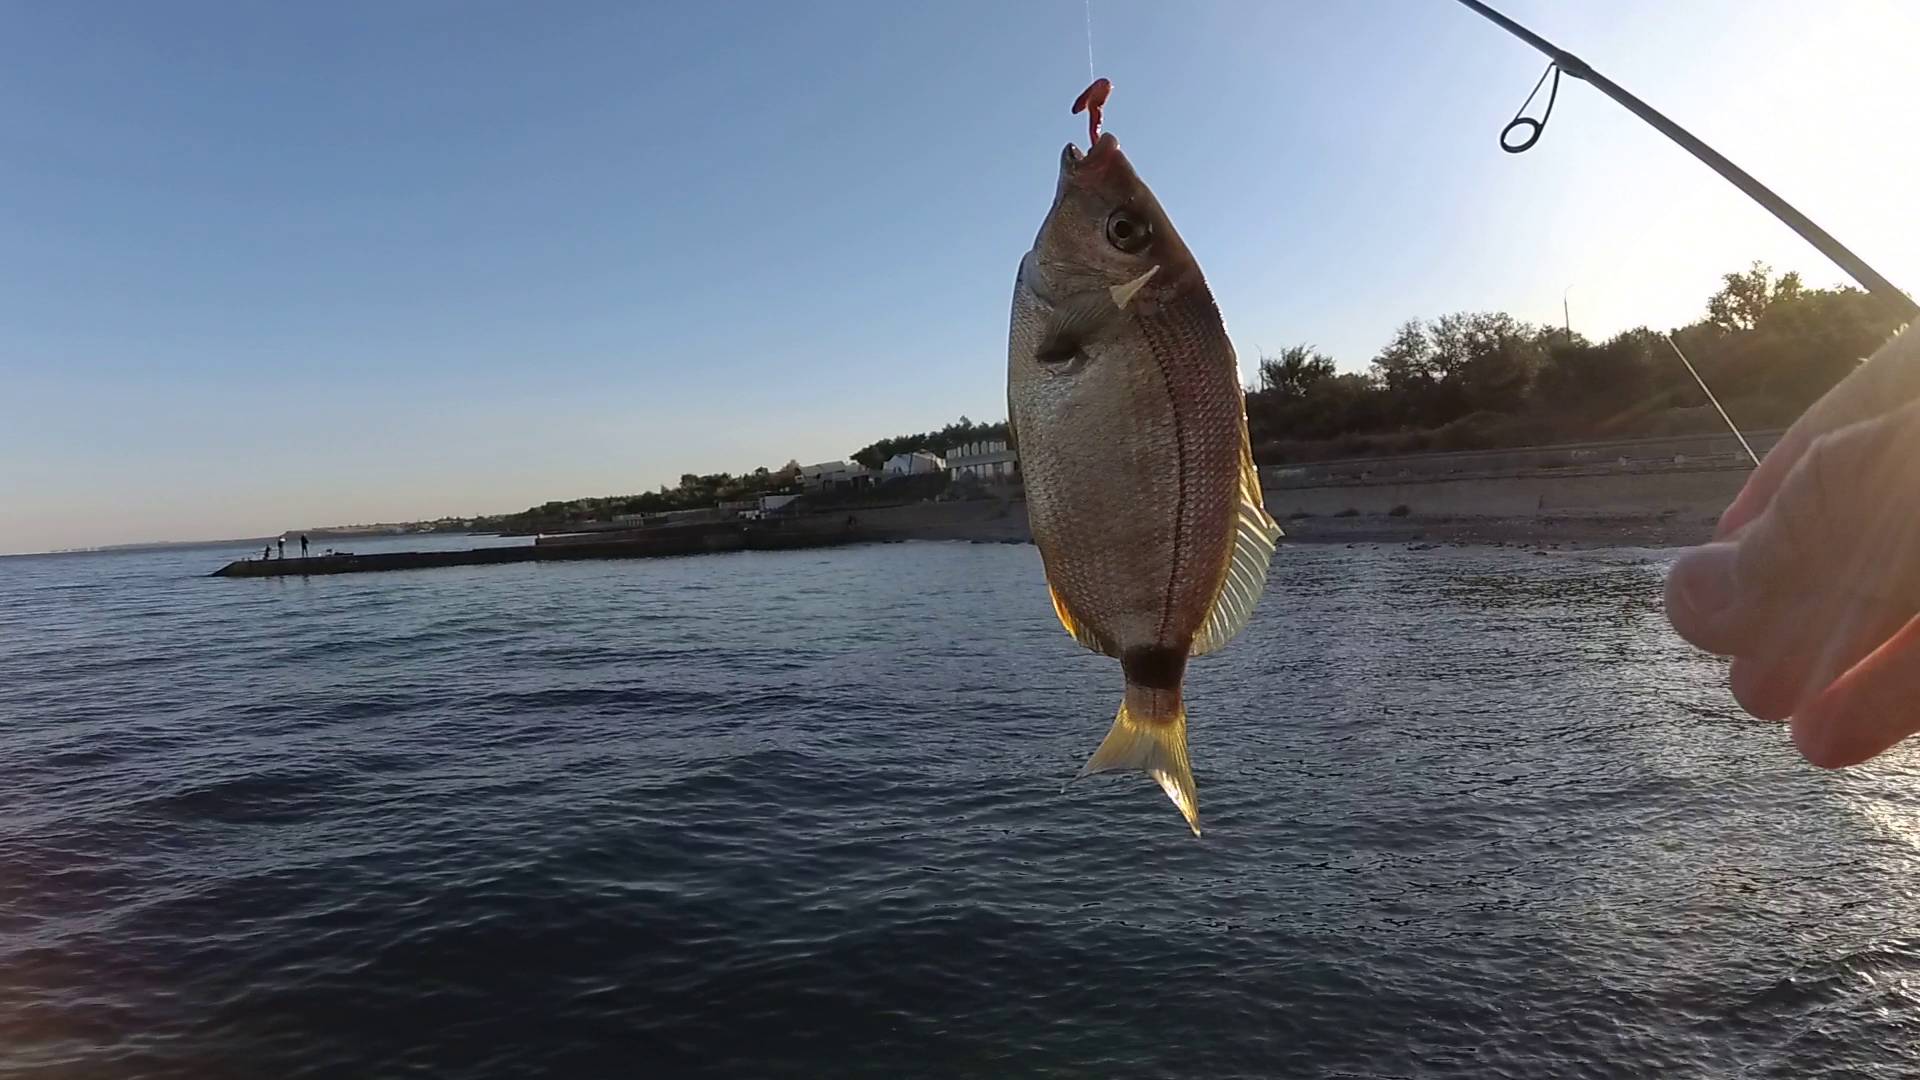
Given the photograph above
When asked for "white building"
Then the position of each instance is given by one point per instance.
(988, 462)
(830, 474)
(917, 463)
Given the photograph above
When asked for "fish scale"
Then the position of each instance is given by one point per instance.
(1209, 416)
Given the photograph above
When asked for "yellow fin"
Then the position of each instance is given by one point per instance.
(1254, 535)
(1081, 632)
(1156, 747)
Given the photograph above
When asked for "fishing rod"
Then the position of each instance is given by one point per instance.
(1867, 276)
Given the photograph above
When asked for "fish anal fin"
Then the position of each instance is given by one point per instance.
(1078, 627)
(1254, 536)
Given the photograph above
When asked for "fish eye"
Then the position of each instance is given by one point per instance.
(1128, 231)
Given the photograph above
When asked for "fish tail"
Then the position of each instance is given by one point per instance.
(1150, 736)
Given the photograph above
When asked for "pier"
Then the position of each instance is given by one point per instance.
(659, 543)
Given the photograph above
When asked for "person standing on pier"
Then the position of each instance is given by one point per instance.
(283, 547)
(303, 545)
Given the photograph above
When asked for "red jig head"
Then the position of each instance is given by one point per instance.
(1091, 100)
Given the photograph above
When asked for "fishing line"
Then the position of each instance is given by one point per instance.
(1755, 458)
(1090, 75)
(1533, 128)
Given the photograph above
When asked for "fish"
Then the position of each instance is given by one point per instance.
(1125, 404)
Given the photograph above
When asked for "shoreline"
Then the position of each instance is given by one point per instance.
(1598, 531)
(996, 522)
(1580, 510)
(1563, 533)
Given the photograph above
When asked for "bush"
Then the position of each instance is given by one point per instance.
(1769, 346)
(1399, 511)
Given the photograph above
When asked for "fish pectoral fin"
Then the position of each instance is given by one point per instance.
(1078, 627)
(1072, 324)
(1122, 294)
(1254, 536)
(1156, 746)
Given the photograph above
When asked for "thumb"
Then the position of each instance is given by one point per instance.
(1837, 551)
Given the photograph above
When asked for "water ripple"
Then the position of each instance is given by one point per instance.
(1471, 813)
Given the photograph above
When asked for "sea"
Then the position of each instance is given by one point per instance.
(1469, 812)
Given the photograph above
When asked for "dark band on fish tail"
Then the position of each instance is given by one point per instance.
(1154, 667)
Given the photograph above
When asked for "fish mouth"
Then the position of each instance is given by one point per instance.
(1106, 149)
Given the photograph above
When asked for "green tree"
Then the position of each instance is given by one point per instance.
(1437, 372)
(958, 433)
(1492, 359)
(1294, 371)
(1747, 294)
(1405, 364)
(1595, 385)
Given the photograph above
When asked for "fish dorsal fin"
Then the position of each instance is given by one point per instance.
(1254, 534)
(1082, 633)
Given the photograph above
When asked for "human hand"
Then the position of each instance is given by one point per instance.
(1813, 582)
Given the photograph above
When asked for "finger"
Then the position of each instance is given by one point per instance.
(1832, 556)
(1847, 517)
(1710, 607)
(1833, 637)
(1890, 380)
(1759, 489)
(1870, 708)
(1718, 605)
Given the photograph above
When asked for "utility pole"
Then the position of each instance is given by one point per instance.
(1867, 276)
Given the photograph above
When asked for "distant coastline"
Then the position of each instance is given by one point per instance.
(1541, 507)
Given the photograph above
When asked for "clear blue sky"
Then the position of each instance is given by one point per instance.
(278, 265)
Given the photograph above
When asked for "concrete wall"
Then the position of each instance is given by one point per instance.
(1708, 450)
(1599, 494)
(973, 519)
